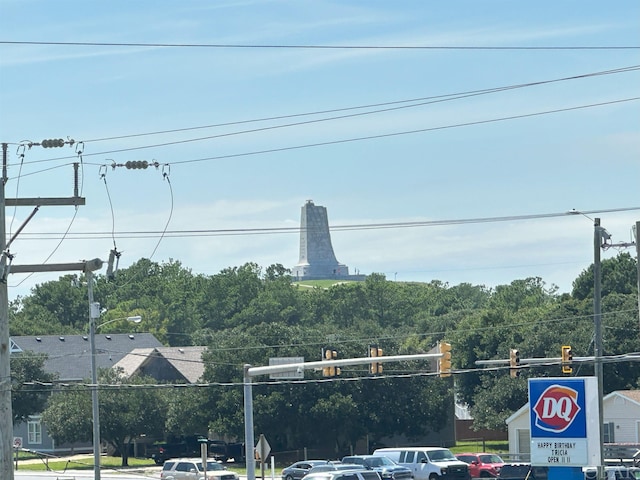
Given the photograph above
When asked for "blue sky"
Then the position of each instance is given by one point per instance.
(189, 85)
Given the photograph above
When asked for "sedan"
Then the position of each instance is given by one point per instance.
(299, 469)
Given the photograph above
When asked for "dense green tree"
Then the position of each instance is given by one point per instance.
(125, 413)
(619, 275)
(247, 315)
(56, 307)
(29, 389)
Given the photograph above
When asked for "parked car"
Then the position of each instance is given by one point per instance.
(482, 465)
(352, 474)
(334, 466)
(297, 470)
(427, 463)
(192, 469)
(386, 468)
(522, 471)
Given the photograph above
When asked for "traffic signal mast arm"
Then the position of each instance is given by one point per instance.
(287, 367)
(532, 361)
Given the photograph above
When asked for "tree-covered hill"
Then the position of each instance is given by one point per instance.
(248, 314)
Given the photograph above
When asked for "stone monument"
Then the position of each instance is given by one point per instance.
(317, 260)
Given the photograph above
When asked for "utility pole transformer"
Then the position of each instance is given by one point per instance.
(6, 413)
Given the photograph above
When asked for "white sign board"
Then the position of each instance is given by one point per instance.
(293, 374)
(17, 442)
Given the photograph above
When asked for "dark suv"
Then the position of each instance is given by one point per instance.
(387, 469)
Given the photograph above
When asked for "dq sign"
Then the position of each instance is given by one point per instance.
(556, 409)
(564, 421)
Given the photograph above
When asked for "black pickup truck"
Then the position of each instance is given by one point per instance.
(190, 446)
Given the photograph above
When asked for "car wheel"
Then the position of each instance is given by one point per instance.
(288, 477)
(434, 476)
(485, 475)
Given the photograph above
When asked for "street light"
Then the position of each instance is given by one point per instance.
(134, 319)
(94, 314)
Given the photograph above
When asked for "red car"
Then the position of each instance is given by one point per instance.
(482, 465)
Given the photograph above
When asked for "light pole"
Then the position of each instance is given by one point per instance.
(94, 313)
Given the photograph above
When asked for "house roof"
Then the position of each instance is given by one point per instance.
(186, 360)
(69, 356)
(632, 395)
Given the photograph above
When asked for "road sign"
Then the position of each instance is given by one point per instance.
(294, 374)
(263, 448)
(17, 442)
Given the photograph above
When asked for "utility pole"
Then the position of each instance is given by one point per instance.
(636, 238)
(598, 233)
(6, 414)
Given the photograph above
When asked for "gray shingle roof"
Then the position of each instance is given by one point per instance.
(69, 356)
(186, 361)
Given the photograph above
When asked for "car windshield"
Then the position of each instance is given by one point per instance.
(491, 459)
(440, 455)
(379, 462)
(211, 466)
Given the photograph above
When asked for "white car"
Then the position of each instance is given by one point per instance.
(193, 469)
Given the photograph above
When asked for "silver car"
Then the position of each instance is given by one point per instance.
(193, 469)
(297, 470)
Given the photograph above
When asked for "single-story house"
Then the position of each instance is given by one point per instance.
(69, 357)
(621, 415)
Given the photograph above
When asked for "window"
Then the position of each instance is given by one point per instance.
(609, 433)
(34, 429)
(185, 467)
(409, 457)
(421, 458)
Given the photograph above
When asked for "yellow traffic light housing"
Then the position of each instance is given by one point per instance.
(329, 353)
(514, 362)
(376, 367)
(567, 359)
(445, 360)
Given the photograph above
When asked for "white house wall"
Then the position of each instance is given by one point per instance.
(625, 415)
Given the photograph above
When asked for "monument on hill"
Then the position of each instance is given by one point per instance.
(317, 260)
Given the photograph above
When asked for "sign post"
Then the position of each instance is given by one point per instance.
(263, 449)
(565, 435)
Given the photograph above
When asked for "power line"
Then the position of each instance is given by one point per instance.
(398, 105)
(322, 47)
(280, 230)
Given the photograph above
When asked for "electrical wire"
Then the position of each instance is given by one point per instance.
(334, 228)
(319, 47)
(414, 101)
(420, 102)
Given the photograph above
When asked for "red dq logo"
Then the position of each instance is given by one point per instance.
(556, 408)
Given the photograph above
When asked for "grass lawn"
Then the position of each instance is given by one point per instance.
(62, 464)
(474, 446)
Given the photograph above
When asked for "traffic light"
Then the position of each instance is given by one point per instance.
(567, 358)
(329, 353)
(514, 362)
(375, 367)
(52, 143)
(445, 360)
